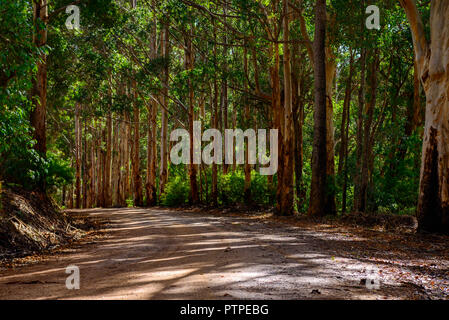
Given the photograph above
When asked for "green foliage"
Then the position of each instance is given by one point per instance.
(58, 171)
(232, 185)
(129, 203)
(18, 160)
(230, 188)
(396, 186)
(17, 54)
(94, 67)
(176, 192)
(20, 164)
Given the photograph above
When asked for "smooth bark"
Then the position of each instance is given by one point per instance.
(317, 206)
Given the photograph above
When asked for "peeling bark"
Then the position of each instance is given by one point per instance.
(433, 66)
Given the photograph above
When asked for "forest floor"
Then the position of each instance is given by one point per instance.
(192, 254)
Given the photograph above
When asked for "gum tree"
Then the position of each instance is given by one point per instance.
(432, 59)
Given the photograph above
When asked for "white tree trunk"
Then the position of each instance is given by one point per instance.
(433, 67)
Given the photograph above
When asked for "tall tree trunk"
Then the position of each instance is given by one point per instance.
(234, 126)
(163, 176)
(269, 114)
(274, 115)
(151, 188)
(247, 186)
(345, 117)
(100, 166)
(298, 121)
(224, 87)
(107, 163)
(194, 199)
(123, 163)
(214, 124)
(277, 115)
(92, 167)
(318, 190)
(39, 84)
(38, 113)
(203, 179)
(116, 164)
(330, 71)
(432, 60)
(285, 207)
(331, 67)
(367, 146)
(137, 179)
(224, 113)
(214, 119)
(85, 165)
(359, 134)
(151, 155)
(77, 157)
(344, 132)
(126, 158)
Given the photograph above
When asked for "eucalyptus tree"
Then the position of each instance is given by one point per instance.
(432, 66)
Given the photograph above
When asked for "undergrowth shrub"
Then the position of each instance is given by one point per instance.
(176, 192)
(231, 188)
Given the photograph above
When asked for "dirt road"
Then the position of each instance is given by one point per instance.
(163, 254)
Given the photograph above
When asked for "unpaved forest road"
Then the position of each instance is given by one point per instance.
(164, 254)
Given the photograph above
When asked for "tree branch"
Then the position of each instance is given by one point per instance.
(420, 42)
(308, 42)
(57, 11)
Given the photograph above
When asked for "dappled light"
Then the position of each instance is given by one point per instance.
(224, 149)
(160, 254)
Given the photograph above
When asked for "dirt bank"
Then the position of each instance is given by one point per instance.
(31, 223)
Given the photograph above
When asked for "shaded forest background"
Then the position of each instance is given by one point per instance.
(86, 114)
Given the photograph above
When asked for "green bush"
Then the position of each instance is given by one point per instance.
(176, 192)
(261, 193)
(230, 188)
(129, 203)
(232, 185)
(59, 172)
(20, 164)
